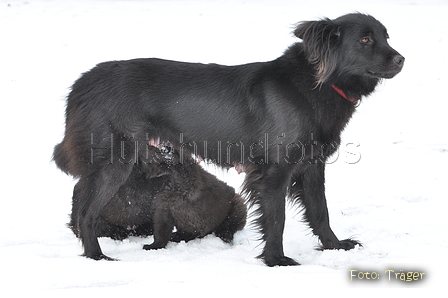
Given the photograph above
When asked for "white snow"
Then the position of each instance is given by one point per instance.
(393, 200)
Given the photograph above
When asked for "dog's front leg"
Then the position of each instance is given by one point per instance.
(268, 193)
(313, 198)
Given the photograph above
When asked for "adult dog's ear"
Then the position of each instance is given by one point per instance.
(320, 41)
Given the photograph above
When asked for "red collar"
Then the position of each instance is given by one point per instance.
(342, 93)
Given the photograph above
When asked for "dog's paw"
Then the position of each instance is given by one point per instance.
(100, 257)
(346, 244)
(278, 261)
(153, 246)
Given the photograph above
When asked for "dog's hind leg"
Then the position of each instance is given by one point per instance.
(99, 188)
(312, 194)
(74, 216)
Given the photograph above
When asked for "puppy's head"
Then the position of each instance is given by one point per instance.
(354, 44)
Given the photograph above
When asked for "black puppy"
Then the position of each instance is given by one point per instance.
(279, 121)
(160, 196)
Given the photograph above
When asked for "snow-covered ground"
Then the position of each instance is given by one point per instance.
(393, 199)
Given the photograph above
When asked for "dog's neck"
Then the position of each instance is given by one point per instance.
(342, 93)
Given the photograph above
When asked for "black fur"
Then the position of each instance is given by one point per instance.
(279, 121)
(158, 197)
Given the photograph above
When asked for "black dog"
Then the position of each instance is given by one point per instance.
(279, 121)
(158, 197)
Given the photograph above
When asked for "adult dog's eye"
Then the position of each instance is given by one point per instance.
(365, 40)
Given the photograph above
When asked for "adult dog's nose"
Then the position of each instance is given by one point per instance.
(399, 60)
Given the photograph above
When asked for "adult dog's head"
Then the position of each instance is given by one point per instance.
(354, 44)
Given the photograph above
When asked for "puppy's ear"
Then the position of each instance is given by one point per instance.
(320, 41)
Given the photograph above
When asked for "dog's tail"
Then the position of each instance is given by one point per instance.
(64, 158)
(61, 158)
